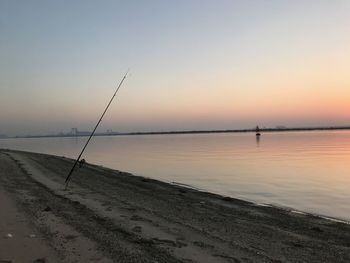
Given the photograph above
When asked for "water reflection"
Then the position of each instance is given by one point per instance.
(257, 138)
(304, 170)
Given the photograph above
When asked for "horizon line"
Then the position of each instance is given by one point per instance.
(265, 129)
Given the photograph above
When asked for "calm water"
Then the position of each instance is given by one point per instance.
(308, 171)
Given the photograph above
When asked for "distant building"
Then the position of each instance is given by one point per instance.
(83, 133)
(74, 131)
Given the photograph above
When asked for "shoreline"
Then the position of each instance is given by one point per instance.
(126, 217)
(219, 195)
(281, 207)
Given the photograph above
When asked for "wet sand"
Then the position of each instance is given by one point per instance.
(112, 216)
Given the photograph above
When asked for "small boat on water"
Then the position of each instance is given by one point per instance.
(257, 131)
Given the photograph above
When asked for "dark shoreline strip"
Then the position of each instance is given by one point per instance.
(192, 132)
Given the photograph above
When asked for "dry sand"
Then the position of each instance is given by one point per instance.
(111, 216)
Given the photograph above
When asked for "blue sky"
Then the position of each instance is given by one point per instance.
(194, 64)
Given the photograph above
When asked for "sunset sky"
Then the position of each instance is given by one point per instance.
(194, 64)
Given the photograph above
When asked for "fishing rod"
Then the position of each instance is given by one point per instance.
(93, 132)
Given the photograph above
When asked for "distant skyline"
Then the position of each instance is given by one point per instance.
(194, 64)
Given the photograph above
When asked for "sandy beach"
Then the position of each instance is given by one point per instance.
(111, 216)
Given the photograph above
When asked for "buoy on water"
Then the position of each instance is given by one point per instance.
(257, 131)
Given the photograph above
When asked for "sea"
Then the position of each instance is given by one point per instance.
(305, 171)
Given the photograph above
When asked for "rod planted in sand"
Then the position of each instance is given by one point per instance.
(93, 132)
